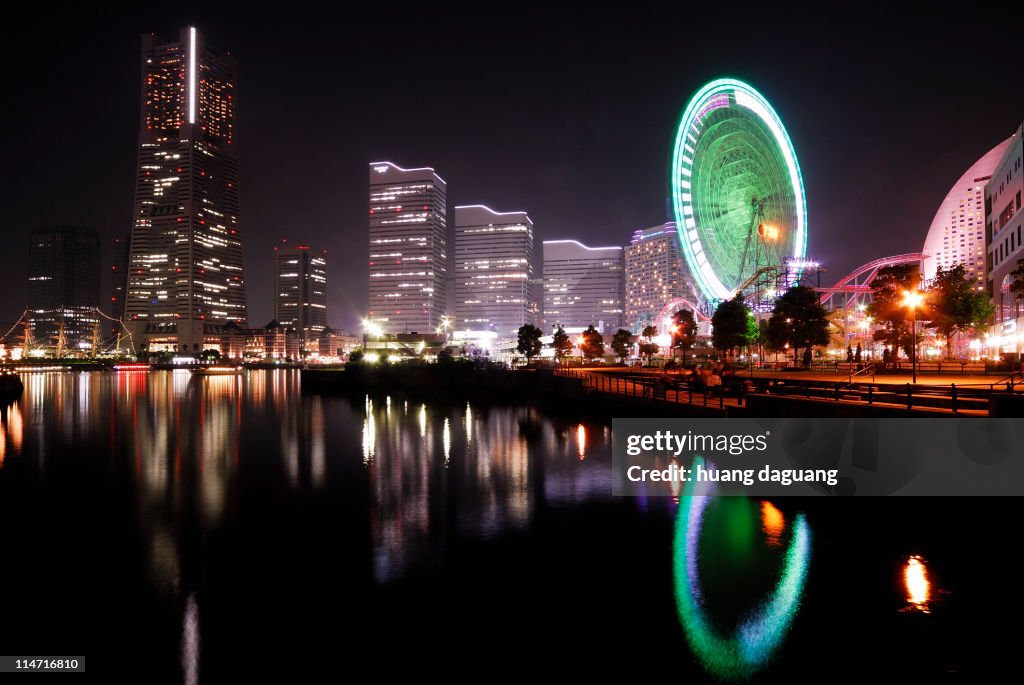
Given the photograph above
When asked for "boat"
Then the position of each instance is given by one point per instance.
(132, 366)
(218, 371)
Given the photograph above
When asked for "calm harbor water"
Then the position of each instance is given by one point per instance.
(187, 530)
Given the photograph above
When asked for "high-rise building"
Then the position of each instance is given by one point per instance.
(64, 289)
(408, 248)
(957, 234)
(493, 269)
(1003, 231)
(300, 292)
(118, 282)
(185, 276)
(655, 274)
(582, 286)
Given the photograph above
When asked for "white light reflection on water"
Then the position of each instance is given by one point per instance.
(446, 441)
(190, 642)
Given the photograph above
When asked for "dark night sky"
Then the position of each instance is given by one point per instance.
(569, 116)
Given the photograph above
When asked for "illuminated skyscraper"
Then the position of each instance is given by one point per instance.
(408, 248)
(655, 274)
(64, 289)
(118, 281)
(957, 233)
(300, 292)
(493, 270)
(185, 275)
(582, 286)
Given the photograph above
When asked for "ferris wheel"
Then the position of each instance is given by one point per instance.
(737, 192)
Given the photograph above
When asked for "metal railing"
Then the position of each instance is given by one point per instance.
(656, 384)
(659, 386)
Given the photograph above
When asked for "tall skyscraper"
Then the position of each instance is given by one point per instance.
(493, 269)
(408, 248)
(957, 235)
(655, 274)
(583, 286)
(1004, 224)
(118, 281)
(64, 289)
(185, 275)
(300, 292)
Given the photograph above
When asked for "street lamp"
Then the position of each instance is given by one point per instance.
(913, 299)
(371, 327)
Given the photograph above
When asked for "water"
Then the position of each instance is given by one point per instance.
(205, 530)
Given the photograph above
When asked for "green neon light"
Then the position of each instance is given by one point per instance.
(731, 147)
(762, 632)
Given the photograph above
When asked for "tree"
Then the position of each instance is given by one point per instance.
(648, 348)
(888, 290)
(529, 341)
(729, 325)
(800, 319)
(355, 356)
(593, 344)
(954, 304)
(560, 341)
(684, 330)
(620, 343)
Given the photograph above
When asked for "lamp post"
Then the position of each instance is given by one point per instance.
(913, 299)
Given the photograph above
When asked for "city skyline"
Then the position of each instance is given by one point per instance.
(586, 164)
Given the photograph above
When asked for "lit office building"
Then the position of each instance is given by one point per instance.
(655, 274)
(493, 270)
(300, 292)
(957, 235)
(408, 248)
(582, 286)
(64, 291)
(185, 277)
(1003, 229)
(118, 283)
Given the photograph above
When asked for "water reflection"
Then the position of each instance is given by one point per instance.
(915, 578)
(430, 483)
(190, 642)
(759, 632)
(772, 523)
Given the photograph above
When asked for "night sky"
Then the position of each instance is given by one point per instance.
(567, 116)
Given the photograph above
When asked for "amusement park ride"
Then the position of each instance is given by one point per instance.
(740, 210)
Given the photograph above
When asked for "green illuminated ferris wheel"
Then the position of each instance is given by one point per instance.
(737, 193)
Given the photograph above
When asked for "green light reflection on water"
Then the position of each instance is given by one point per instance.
(758, 635)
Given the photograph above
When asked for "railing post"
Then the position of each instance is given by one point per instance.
(871, 394)
(952, 394)
(909, 397)
(837, 392)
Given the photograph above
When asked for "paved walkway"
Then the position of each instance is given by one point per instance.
(614, 381)
(979, 381)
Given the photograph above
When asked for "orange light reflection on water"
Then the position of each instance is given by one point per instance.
(773, 523)
(581, 441)
(915, 577)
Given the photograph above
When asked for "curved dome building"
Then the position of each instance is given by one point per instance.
(957, 233)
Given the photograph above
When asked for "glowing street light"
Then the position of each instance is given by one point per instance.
(913, 299)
